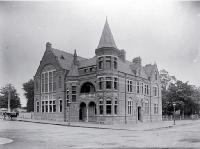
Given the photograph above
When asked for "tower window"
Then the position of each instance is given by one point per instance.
(108, 62)
(100, 62)
(108, 83)
(115, 63)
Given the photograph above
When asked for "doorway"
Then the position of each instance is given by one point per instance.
(82, 112)
(139, 114)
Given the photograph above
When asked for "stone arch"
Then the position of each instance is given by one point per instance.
(87, 87)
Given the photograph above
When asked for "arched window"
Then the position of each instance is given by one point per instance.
(108, 106)
(101, 106)
(115, 106)
(87, 88)
(130, 106)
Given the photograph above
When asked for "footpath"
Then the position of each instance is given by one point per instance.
(131, 127)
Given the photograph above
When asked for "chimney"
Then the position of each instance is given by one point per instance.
(48, 46)
(137, 61)
(122, 54)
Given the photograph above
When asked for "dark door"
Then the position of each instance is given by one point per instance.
(139, 113)
(82, 112)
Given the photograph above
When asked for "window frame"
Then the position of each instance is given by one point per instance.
(108, 106)
(101, 107)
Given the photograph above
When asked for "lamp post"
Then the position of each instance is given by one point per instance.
(174, 105)
(68, 104)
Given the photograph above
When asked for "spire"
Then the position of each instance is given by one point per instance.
(107, 39)
(75, 60)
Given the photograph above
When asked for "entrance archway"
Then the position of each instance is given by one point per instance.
(92, 111)
(139, 114)
(82, 112)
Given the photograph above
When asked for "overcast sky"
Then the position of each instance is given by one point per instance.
(167, 33)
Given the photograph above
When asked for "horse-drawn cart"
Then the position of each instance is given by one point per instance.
(10, 115)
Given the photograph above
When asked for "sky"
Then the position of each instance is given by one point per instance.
(165, 32)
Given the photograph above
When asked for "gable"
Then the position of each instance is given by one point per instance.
(48, 59)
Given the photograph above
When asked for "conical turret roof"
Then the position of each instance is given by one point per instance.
(107, 39)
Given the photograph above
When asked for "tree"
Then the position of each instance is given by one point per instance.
(185, 97)
(29, 94)
(14, 97)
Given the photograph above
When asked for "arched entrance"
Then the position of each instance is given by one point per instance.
(82, 112)
(92, 111)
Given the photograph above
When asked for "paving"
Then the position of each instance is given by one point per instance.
(131, 127)
(36, 135)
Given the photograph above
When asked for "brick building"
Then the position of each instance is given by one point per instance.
(105, 88)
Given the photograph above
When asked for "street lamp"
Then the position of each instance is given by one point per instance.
(174, 105)
(68, 104)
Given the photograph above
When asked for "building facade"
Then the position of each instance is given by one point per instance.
(103, 89)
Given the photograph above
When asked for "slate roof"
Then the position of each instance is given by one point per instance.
(65, 59)
(87, 62)
(107, 39)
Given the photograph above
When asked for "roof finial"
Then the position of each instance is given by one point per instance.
(75, 61)
(48, 46)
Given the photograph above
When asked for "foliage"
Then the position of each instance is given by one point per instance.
(14, 97)
(29, 94)
(184, 95)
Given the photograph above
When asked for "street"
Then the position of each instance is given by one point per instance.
(23, 135)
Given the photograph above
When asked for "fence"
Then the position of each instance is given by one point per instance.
(180, 117)
(26, 115)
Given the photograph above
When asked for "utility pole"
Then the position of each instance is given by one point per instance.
(9, 88)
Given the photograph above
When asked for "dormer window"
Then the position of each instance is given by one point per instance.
(85, 70)
(62, 57)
